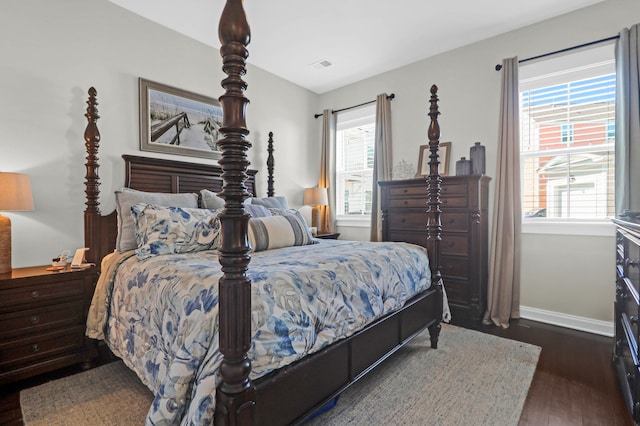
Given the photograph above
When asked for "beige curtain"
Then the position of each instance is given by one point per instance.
(327, 213)
(504, 258)
(382, 161)
(628, 120)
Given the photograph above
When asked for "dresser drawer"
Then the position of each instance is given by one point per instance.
(409, 236)
(409, 203)
(455, 221)
(454, 267)
(14, 297)
(457, 292)
(41, 319)
(44, 345)
(402, 219)
(454, 244)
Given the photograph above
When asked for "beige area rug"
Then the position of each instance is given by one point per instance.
(471, 379)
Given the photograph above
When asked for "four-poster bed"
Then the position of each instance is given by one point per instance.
(291, 390)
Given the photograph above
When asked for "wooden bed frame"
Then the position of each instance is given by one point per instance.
(293, 393)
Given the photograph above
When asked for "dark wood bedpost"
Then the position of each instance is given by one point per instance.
(434, 223)
(92, 179)
(270, 190)
(235, 396)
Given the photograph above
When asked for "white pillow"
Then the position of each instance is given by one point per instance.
(210, 200)
(284, 230)
(125, 198)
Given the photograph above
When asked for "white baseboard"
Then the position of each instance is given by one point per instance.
(604, 328)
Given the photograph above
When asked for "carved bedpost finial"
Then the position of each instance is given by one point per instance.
(92, 235)
(235, 397)
(92, 143)
(434, 223)
(270, 163)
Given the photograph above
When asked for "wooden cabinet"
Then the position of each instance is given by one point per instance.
(464, 246)
(627, 311)
(42, 320)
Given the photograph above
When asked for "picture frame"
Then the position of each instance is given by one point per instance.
(423, 160)
(176, 121)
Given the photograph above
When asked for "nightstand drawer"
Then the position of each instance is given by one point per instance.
(27, 349)
(41, 294)
(41, 319)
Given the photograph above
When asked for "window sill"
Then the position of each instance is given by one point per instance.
(596, 228)
(354, 221)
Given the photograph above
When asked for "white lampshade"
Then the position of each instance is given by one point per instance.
(315, 197)
(15, 192)
(15, 195)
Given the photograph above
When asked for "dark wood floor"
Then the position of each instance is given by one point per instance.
(574, 382)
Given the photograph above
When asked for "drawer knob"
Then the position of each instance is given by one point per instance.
(35, 347)
(451, 244)
(631, 262)
(403, 220)
(406, 202)
(444, 201)
(35, 293)
(633, 320)
(35, 319)
(451, 221)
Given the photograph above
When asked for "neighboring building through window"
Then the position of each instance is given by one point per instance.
(355, 136)
(567, 115)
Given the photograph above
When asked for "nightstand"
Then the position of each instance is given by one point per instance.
(328, 236)
(43, 320)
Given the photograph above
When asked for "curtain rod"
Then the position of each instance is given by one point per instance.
(499, 67)
(390, 97)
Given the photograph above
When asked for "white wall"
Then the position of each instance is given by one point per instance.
(566, 275)
(54, 51)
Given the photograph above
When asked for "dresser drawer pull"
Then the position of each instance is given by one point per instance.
(633, 320)
(35, 293)
(403, 220)
(444, 201)
(35, 347)
(406, 202)
(451, 244)
(631, 262)
(35, 319)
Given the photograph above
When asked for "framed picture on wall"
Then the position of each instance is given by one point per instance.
(175, 121)
(423, 160)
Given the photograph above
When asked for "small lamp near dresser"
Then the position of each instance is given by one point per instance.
(15, 195)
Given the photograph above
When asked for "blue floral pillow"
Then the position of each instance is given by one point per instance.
(166, 230)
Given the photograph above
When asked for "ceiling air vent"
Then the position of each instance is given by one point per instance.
(321, 64)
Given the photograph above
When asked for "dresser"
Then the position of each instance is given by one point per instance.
(626, 313)
(42, 320)
(464, 246)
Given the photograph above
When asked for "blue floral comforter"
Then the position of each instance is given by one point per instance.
(163, 312)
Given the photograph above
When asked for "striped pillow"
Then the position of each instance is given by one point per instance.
(272, 232)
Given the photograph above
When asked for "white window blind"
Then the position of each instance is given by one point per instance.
(567, 140)
(354, 161)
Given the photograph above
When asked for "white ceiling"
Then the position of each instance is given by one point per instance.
(362, 38)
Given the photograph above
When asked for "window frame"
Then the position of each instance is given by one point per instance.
(364, 115)
(600, 57)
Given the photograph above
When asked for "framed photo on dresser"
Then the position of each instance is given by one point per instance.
(423, 160)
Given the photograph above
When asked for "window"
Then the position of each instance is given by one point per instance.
(355, 138)
(567, 130)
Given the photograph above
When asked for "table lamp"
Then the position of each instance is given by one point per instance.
(315, 197)
(15, 195)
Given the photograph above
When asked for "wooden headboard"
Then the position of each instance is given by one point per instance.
(143, 174)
